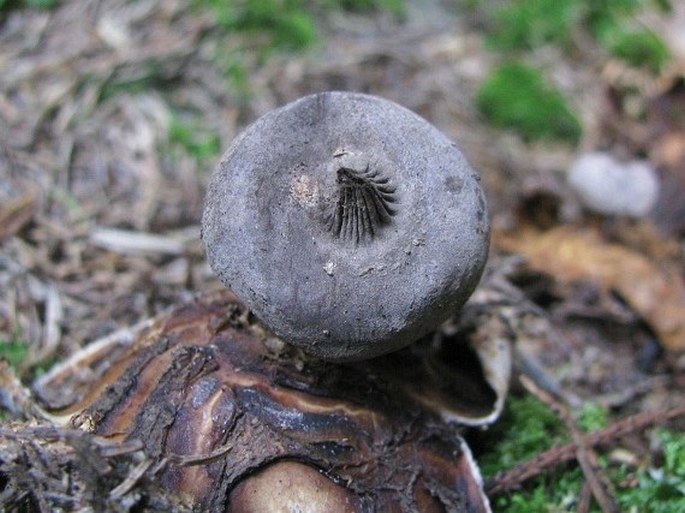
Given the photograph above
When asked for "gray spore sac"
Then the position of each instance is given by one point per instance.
(310, 212)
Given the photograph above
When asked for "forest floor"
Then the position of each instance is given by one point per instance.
(113, 114)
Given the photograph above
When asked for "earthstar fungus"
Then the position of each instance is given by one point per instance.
(349, 225)
(232, 419)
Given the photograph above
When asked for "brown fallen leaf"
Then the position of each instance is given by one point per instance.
(654, 289)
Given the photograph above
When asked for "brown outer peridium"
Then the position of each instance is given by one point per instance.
(223, 404)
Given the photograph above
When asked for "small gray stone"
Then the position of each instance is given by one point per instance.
(310, 212)
(608, 186)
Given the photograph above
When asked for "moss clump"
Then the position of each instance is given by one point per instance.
(639, 48)
(6, 5)
(514, 96)
(522, 25)
(535, 429)
(660, 490)
(286, 23)
(196, 140)
(592, 417)
(14, 351)
(528, 24)
(289, 25)
(528, 428)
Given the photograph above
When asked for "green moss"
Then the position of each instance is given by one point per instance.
(662, 489)
(674, 455)
(285, 23)
(146, 82)
(514, 96)
(41, 4)
(527, 24)
(528, 428)
(276, 26)
(14, 351)
(554, 492)
(593, 417)
(639, 48)
(522, 25)
(289, 25)
(195, 139)
(31, 4)
(602, 15)
(236, 73)
(394, 7)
